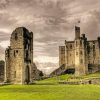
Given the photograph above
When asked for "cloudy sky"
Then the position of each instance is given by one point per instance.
(52, 21)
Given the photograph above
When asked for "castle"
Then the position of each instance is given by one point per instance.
(80, 56)
(19, 68)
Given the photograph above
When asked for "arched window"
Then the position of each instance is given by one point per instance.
(16, 51)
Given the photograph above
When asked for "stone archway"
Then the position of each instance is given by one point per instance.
(27, 74)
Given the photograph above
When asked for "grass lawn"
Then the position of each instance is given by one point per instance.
(49, 89)
(50, 92)
(67, 77)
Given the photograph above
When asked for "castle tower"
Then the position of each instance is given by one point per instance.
(77, 32)
(80, 53)
(19, 57)
(61, 55)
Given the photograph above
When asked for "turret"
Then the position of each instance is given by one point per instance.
(77, 32)
(98, 41)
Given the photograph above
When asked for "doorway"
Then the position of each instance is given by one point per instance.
(27, 74)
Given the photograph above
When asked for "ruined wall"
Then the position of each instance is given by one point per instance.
(36, 73)
(14, 57)
(19, 57)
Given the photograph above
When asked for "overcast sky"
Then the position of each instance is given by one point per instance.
(52, 21)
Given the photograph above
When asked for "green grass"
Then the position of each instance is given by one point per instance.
(49, 89)
(54, 80)
(50, 92)
(89, 76)
(67, 77)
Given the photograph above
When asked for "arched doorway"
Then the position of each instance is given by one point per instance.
(70, 71)
(27, 74)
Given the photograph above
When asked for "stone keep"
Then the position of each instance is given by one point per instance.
(82, 55)
(19, 57)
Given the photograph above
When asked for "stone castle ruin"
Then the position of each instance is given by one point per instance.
(80, 56)
(19, 68)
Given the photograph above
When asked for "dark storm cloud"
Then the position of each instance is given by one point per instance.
(92, 27)
(52, 21)
(4, 3)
